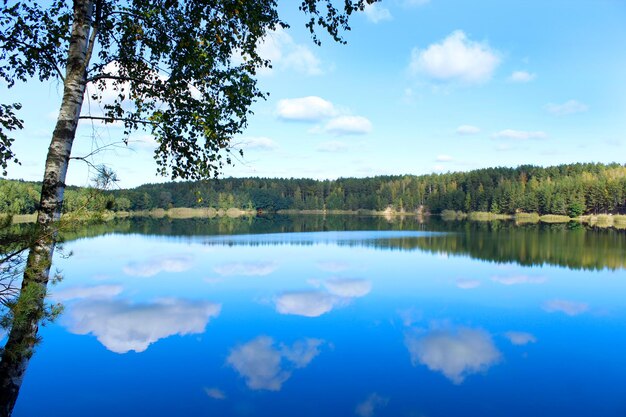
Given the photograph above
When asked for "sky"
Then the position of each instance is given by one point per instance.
(422, 86)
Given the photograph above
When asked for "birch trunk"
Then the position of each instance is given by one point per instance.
(30, 306)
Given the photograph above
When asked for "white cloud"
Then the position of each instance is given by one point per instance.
(467, 284)
(368, 407)
(444, 158)
(518, 279)
(571, 308)
(456, 58)
(94, 292)
(348, 288)
(569, 107)
(520, 338)
(156, 265)
(302, 60)
(332, 146)
(455, 353)
(109, 90)
(522, 77)
(348, 125)
(467, 130)
(265, 367)
(439, 168)
(258, 142)
(305, 109)
(315, 109)
(260, 268)
(143, 141)
(121, 326)
(376, 13)
(280, 48)
(306, 303)
(519, 134)
(215, 393)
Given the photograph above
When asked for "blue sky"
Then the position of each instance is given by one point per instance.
(422, 86)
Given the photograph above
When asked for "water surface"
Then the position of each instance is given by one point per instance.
(336, 317)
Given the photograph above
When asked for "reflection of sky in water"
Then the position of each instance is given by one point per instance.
(213, 326)
(266, 367)
(456, 353)
(122, 326)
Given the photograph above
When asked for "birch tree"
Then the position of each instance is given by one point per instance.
(185, 70)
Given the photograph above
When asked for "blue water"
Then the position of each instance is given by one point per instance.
(323, 324)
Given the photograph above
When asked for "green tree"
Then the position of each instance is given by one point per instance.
(122, 204)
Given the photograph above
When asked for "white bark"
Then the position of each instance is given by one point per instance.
(28, 312)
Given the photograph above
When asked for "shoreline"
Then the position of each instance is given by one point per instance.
(616, 221)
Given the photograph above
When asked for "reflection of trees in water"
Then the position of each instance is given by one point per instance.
(528, 245)
(243, 225)
(14, 242)
(570, 245)
(23, 306)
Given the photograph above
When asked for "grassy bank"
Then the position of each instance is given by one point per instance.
(600, 220)
(616, 221)
(174, 213)
(606, 220)
(188, 213)
(361, 212)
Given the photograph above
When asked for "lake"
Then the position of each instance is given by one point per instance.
(335, 316)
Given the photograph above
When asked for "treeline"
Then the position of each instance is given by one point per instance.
(22, 197)
(572, 189)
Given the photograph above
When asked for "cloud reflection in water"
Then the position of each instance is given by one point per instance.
(520, 338)
(368, 407)
(314, 303)
(122, 326)
(265, 366)
(156, 265)
(92, 292)
(518, 279)
(306, 303)
(571, 308)
(333, 266)
(348, 288)
(246, 268)
(456, 353)
(467, 284)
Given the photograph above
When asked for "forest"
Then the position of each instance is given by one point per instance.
(570, 189)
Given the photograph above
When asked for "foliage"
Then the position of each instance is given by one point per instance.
(8, 122)
(573, 189)
(184, 70)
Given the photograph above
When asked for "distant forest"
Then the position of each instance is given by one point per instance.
(572, 189)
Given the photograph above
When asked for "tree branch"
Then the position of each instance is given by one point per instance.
(45, 53)
(118, 119)
(115, 77)
(94, 33)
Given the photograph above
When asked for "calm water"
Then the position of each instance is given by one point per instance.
(334, 317)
